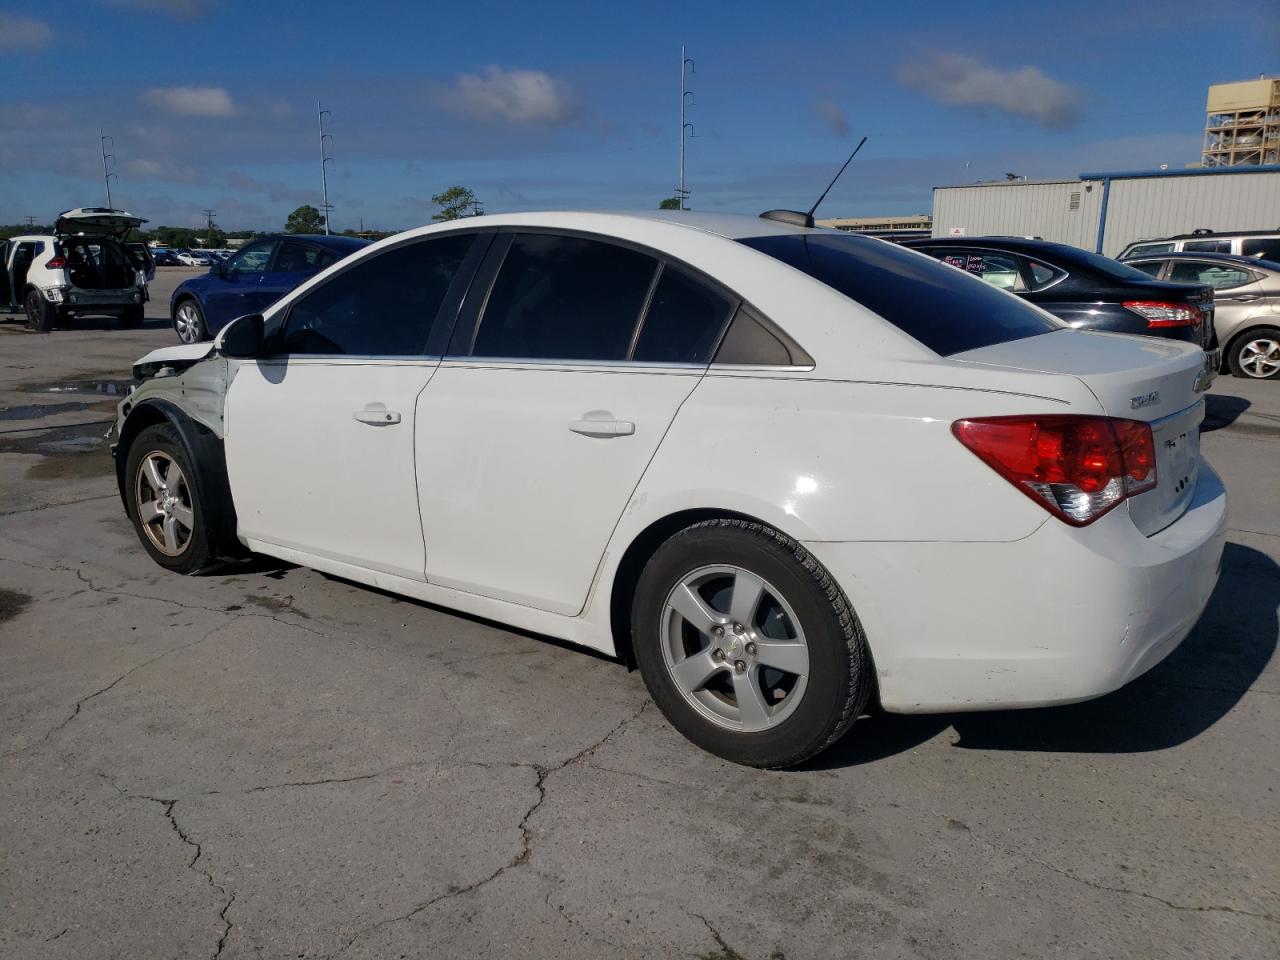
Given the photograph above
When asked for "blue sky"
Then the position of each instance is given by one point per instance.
(545, 105)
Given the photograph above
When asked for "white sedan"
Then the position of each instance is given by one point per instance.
(786, 471)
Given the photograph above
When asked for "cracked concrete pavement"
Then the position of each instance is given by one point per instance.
(269, 762)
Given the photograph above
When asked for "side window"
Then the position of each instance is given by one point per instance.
(325, 259)
(1216, 275)
(253, 258)
(754, 341)
(295, 257)
(564, 298)
(383, 306)
(1207, 246)
(998, 269)
(1268, 248)
(1150, 266)
(683, 321)
(1042, 275)
(1148, 248)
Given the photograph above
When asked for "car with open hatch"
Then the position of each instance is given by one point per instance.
(252, 279)
(787, 472)
(84, 268)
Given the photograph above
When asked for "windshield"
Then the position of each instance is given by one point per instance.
(936, 304)
(1108, 267)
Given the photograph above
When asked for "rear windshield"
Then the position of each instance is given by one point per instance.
(1108, 267)
(930, 301)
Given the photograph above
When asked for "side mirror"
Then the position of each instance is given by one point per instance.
(219, 267)
(242, 338)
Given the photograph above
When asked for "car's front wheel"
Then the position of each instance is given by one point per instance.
(188, 322)
(164, 504)
(1256, 354)
(747, 645)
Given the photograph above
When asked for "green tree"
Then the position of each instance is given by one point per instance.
(456, 202)
(306, 219)
(671, 203)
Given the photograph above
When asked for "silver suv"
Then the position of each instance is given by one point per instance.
(83, 269)
(1260, 244)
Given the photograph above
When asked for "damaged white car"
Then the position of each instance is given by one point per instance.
(787, 471)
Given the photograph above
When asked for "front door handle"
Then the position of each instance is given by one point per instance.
(377, 415)
(590, 426)
(1246, 298)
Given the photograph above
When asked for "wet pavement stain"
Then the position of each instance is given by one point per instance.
(36, 411)
(277, 605)
(12, 603)
(69, 453)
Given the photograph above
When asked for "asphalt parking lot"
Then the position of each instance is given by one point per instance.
(270, 762)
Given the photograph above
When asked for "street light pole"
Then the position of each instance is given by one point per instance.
(106, 174)
(681, 192)
(325, 159)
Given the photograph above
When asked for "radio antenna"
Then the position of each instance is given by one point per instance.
(836, 177)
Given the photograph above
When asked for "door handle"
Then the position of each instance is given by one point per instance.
(1247, 298)
(591, 427)
(377, 414)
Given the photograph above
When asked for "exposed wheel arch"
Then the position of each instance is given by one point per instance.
(205, 451)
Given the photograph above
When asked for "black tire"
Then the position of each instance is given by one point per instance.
(194, 555)
(839, 681)
(199, 329)
(132, 317)
(42, 316)
(1243, 348)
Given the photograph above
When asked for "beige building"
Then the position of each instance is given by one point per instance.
(903, 226)
(1242, 123)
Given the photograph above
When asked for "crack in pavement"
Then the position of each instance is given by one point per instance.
(526, 834)
(1128, 891)
(726, 952)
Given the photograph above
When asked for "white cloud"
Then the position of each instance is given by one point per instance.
(834, 117)
(18, 33)
(963, 81)
(193, 101)
(520, 96)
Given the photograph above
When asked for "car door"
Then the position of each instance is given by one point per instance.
(564, 374)
(319, 433)
(233, 291)
(294, 262)
(1237, 292)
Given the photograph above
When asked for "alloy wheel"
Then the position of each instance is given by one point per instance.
(187, 323)
(734, 648)
(1260, 358)
(162, 498)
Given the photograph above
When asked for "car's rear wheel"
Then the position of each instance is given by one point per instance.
(1256, 354)
(41, 315)
(188, 322)
(132, 316)
(164, 504)
(747, 645)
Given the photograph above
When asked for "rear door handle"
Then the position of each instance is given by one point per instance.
(1246, 298)
(377, 415)
(603, 428)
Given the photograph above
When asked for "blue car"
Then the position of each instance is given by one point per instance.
(258, 275)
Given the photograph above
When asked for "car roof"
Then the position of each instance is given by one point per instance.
(1225, 258)
(1212, 235)
(332, 241)
(1026, 245)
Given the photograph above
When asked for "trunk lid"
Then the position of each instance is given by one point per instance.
(97, 222)
(1154, 380)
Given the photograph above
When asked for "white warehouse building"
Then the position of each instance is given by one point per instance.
(1105, 212)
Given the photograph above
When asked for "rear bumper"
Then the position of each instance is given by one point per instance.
(1060, 616)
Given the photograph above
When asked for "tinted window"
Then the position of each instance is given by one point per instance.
(1151, 267)
(382, 307)
(1104, 265)
(1268, 248)
(683, 321)
(1145, 248)
(252, 259)
(1207, 246)
(295, 257)
(564, 298)
(933, 303)
(1216, 275)
(1042, 274)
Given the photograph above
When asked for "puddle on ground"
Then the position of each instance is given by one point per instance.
(66, 453)
(102, 387)
(12, 602)
(37, 411)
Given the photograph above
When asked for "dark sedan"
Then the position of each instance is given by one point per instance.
(255, 277)
(1085, 289)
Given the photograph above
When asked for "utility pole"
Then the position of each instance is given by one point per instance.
(681, 192)
(475, 208)
(31, 221)
(106, 174)
(325, 159)
(208, 227)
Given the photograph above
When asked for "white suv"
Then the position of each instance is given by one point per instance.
(83, 269)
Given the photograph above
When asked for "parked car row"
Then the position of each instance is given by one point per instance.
(786, 471)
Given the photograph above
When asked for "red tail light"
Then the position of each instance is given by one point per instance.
(1076, 467)
(1159, 314)
(57, 263)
